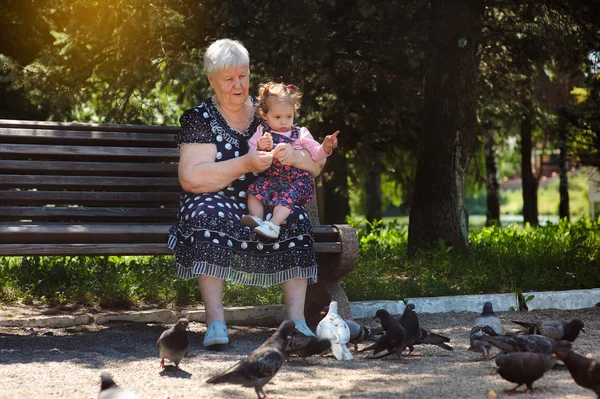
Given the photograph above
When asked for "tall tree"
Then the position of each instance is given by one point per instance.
(449, 125)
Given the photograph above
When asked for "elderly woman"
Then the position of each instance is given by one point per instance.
(215, 169)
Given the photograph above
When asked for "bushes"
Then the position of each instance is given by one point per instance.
(503, 259)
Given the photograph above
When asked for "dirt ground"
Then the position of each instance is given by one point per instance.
(66, 363)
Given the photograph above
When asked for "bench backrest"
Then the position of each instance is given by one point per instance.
(69, 188)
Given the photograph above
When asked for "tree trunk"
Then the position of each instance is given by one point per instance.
(449, 134)
(563, 188)
(530, 183)
(335, 188)
(373, 188)
(493, 188)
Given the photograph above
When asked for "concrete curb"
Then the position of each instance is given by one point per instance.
(274, 314)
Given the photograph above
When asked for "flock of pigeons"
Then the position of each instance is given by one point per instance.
(524, 356)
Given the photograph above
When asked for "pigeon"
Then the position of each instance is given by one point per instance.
(487, 318)
(429, 338)
(386, 319)
(110, 390)
(555, 329)
(534, 343)
(173, 343)
(585, 372)
(358, 333)
(399, 337)
(425, 337)
(523, 368)
(261, 365)
(306, 346)
(335, 329)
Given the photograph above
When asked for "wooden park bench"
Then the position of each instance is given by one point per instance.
(69, 189)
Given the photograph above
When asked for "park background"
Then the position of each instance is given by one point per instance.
(470, 130)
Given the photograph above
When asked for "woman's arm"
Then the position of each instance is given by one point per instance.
(199, 173)
(300, 159)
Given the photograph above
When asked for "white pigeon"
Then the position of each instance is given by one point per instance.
(334, 329)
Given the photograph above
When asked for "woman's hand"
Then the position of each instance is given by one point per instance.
(284, 153)
(258, 161)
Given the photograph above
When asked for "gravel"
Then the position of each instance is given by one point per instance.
(66, 363)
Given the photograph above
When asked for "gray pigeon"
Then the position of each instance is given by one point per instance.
(261, 365)
(487, 318)
(306, 346)
(429, 338)
(523, 368)
(110, 390)
(425, 337)
(173, 343)
(555, 329)
(358, 333)
(526, 343)
(585, 372)
(386, 319)
(398, 337)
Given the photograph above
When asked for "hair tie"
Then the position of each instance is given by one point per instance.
(266, 89)
(289, 87)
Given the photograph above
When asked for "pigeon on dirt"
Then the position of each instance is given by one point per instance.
(398, 337)
(555, 329)
(487, 318)
(358, 332)
(425, 337)
(534, 343)
(585, 372)
(523, 368)
(306, 346)
(173, 343)
(110, 390)
(335, 329)
(386, 319)
(429, 338)
(261, 365)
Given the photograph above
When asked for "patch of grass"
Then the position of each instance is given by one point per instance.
(503, 259)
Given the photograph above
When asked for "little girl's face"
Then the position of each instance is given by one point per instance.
(280, 116)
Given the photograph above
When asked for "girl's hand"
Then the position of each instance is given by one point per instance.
(258, 161)
(284, 153)
(265, 142)
(330, 142)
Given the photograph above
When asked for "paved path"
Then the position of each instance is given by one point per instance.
(68, 363)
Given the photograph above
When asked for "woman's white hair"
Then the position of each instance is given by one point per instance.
(223, 54)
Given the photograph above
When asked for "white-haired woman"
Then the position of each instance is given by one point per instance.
(215, 168)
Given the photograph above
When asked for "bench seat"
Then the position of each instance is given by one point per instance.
(70, 189)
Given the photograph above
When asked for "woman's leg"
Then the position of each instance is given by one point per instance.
(294, 292)
(211, 289)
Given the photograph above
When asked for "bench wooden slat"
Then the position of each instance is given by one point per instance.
(19, 124)
(15, 233)
(74, 137)
(88, 214)
(90, 183)
(89, 198)
(40, 151)
(27, 167)
(113, 249)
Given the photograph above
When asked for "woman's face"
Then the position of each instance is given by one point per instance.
(231, 85)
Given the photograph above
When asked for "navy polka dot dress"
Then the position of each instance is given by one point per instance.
(209, 238)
